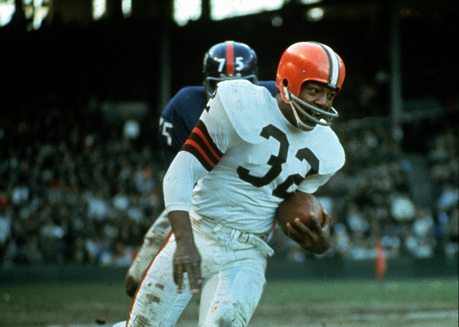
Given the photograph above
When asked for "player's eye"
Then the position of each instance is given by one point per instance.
(313, 90)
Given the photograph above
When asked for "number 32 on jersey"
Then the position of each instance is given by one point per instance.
(276, 161)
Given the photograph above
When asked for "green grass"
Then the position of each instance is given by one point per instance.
(71, 293)
(362, 291)
(356, 303)
(357, 291)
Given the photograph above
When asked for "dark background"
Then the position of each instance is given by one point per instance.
(61, 126)
(148, 57)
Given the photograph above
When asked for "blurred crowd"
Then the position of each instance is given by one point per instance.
(73, 189)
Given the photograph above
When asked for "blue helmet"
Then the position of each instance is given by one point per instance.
(229, 60)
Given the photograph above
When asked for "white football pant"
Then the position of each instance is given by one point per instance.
(233, 265)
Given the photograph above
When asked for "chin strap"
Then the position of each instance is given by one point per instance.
(299, 122)
(325, 118)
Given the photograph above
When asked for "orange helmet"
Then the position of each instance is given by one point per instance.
(309, 61)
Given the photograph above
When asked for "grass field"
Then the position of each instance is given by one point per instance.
(414, 303)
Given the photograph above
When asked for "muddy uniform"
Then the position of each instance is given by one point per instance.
(177, 121)
(245, 157)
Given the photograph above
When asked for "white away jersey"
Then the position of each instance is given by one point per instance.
(254, 157)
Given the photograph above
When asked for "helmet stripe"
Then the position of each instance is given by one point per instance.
(333, 74)
(230, 58)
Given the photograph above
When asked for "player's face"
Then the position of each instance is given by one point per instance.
(318, 95)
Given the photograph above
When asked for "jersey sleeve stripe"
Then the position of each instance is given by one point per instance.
(205, 140)
(194, 148)
(202, 147)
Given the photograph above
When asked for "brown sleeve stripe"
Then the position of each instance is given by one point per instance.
(200, 144)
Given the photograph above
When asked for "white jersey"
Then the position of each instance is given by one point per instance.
(252, 158)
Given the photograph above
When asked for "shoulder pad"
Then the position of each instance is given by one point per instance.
(249, 107)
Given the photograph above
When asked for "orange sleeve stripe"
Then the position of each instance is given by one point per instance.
(201, 151)
(202, 147)
(201, 134)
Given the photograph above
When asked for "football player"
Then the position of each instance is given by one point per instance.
(223, 61)
(246, 153)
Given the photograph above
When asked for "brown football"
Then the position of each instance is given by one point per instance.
(299, 205)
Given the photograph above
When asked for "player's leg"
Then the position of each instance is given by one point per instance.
(152, 243)
(157, 302)
(233, 264)
(230, 297)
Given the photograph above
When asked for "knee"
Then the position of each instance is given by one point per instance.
(226, 314)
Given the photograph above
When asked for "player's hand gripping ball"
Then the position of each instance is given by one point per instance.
(299, 205)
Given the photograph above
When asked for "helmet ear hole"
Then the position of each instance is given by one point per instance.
(285, 82)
